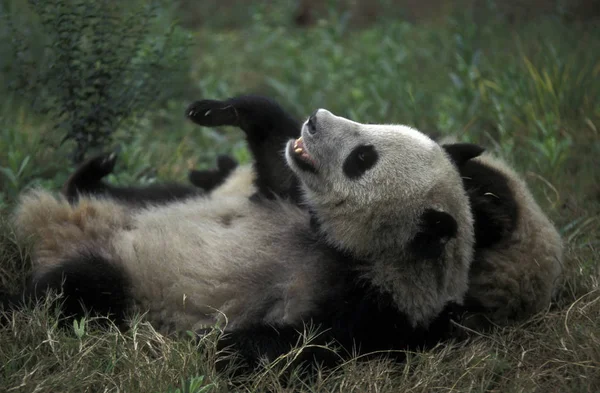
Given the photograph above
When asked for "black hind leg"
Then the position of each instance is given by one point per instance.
(210, 179)
(89, 284)
(88, 180)
(268, 128)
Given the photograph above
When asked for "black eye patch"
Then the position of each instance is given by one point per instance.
(361, 159)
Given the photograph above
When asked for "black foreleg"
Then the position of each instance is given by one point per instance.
(268, 128)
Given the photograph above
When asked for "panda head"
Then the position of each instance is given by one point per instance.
(391, 196)
(339, 158)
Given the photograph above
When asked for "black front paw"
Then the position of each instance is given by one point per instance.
(212, 113)
(88, 177)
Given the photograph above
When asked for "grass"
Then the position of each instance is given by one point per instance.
(531, 93)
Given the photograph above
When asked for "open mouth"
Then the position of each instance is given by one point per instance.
(301, 157)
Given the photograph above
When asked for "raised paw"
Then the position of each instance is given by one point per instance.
(212, 113)
(88, 176)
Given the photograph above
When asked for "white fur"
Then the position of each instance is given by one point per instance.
(240, 182)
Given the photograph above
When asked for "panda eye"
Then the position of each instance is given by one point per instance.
(361, 159)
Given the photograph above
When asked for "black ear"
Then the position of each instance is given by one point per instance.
(462, 152)
(435, 229)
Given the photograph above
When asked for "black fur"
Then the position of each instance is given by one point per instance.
(436, 229)
(361, 159)
(460, 153)
(210, 179)
(250, 345)
(89, 284)
(363, 327)
(268, 128)
(496, 213)
(8, 302)
(366, 327)
(88, 180)
(493, 203)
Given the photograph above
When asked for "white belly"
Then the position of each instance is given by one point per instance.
(201, 262)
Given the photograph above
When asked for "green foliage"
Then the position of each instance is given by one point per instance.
(193, 385)
(100, 67)
(24, 147)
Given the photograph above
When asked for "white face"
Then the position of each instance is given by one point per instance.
(342, 161)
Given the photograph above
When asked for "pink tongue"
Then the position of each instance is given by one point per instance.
(299, 143)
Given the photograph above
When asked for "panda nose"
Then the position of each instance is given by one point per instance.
(311, 124)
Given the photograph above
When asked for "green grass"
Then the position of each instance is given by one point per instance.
(531, 93)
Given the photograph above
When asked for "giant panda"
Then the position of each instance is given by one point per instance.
(518, 252)
(376, 256)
